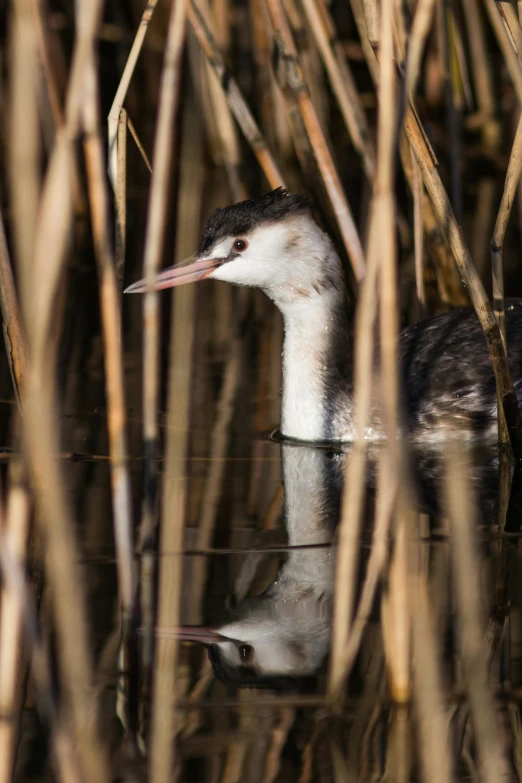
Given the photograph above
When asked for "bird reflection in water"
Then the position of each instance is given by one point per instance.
(280, 639)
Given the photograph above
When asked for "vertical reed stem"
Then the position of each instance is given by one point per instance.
(113, 354)
(161, 167)
(175, 482)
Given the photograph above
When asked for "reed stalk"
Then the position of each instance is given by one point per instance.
(395, 605)
(21, 605)
(139, 145)
(279, 736)
(373, 22)
(219, 113)
(352, 502)
(497, 269)
(51, 243)
(12, 654)
(386, 501)
(343, 84)
(508, 44)
(428, 694)
(50, 88)
(478, 296)
(120, 198)
(511, 183)
(235, 99)
(14, 337)
(418, 235)
(44, 45)
(216, 471)
(24, 137)
(164, 144)
(447, 277)
(480, 244)
(296, 84)
(511, 23)
(113, 354)
(452, 110)
(123, 86)
(420, 30)
(268, 95)
(181, 367)
(491, 752)
(481, 73)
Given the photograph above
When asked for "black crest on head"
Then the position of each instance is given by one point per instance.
(240, 218)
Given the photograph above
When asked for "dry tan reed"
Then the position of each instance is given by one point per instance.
(427, 681)
(351, 514)
(40, 423)
(68, 766)
(111, 318)
(139, 145)
(465, 559)
(386, 501)
(120, 198)
(123, 86)
(15, 535)
(481, 73)
(417, 42)
(382, 255)
(175, 481)
(154, 243)
(418, 236)
(497, 241)
(24, 157)
(293, 82)
(508, 44)
(236, 101)
(447, 222)
(220, 114)
(12, 319)
(216, 472)
(342, 82)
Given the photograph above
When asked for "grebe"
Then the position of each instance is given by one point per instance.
(273, 243)
(281, 637)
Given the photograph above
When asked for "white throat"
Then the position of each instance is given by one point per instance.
(309, 331)
(310, 519)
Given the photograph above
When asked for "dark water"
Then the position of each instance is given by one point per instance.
(234, 733)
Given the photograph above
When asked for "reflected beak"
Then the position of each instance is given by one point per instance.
(193, 633)
(189, 271)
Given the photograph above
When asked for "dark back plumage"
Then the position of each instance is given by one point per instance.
(447, 373)
(238, 219)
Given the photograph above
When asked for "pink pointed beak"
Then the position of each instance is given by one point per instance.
(189, 271)
(193, 633)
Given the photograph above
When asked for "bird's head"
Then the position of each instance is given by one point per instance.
(272, 243)
(266, 643)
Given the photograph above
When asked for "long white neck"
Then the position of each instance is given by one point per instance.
(311, 325)
(295, 263)
(312, 498)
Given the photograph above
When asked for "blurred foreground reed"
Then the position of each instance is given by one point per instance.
(138, 491)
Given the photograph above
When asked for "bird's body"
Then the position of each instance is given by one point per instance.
(273, 243)
(447, 380)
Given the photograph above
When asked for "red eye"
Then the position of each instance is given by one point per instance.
(240, 245)
(246, 653)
